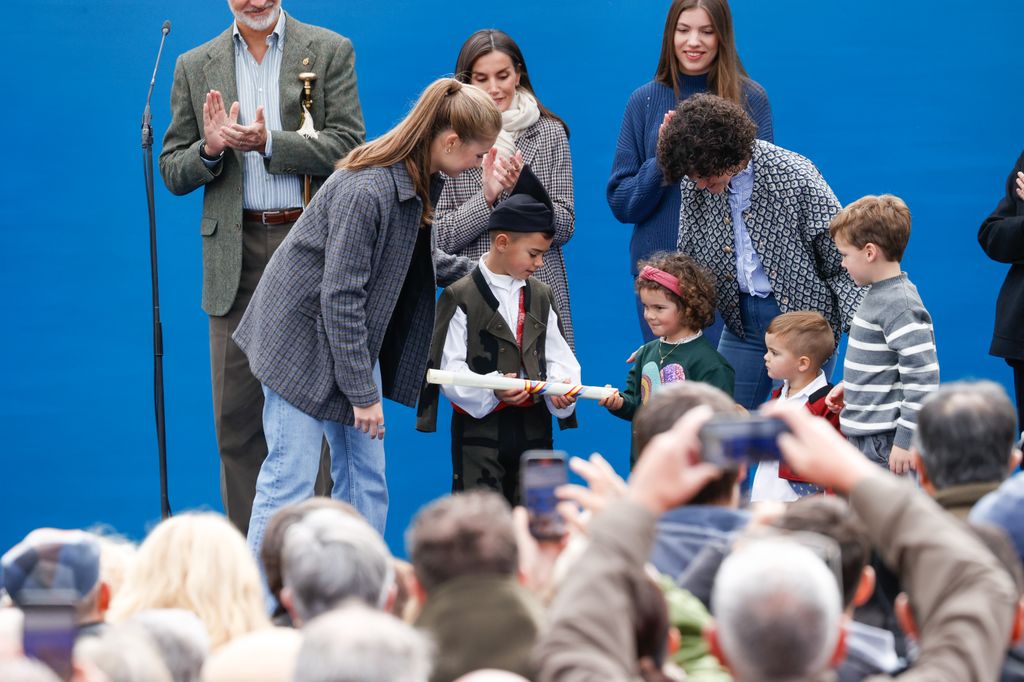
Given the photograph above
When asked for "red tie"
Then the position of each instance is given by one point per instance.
(521, 319)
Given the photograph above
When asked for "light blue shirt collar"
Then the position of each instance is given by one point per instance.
(743, 182)
(274, 40)
(750, 275)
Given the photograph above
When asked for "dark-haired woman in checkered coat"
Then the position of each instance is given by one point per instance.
(530, 134)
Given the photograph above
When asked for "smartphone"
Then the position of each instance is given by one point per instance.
(49, 628)
(541, 472)
(731, 440)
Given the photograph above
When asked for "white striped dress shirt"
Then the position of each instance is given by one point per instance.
(258, 85)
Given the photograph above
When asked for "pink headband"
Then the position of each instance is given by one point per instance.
(670, 282)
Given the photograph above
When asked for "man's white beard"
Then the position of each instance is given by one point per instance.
(259, 24)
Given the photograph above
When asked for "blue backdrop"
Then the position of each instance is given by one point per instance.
(909, 97)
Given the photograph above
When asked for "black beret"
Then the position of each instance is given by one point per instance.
(527, 209)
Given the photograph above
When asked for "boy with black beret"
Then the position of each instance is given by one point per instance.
(499, 319)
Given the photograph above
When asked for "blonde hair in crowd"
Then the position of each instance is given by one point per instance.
(116, 556)
(446, 104)
(197, 562)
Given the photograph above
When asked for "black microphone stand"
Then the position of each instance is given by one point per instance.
(158, 334)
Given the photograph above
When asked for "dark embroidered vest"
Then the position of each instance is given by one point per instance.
(491, 345)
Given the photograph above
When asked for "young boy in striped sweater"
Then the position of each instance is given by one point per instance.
(891, 363)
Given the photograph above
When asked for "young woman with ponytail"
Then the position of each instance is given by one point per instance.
(345, 310)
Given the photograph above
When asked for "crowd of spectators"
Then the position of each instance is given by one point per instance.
(661, 577)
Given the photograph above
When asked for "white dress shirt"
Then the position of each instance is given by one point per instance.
(767, 484)
(561, 363)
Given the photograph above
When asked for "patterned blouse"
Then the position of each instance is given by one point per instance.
(791, 207)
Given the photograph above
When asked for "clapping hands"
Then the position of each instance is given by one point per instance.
(221, 128)
(500, 174)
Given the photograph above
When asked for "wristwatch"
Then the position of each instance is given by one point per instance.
(202, 145)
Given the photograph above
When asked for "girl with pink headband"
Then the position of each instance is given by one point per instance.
(678, 298)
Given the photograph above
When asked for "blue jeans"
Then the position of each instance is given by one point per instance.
(746, 355)
(293, 455)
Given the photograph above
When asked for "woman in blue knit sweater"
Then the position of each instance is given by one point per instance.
(698, 54)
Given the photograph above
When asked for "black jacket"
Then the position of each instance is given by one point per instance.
(1002, 238)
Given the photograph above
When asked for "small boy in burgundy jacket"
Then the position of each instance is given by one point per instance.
(799, 343)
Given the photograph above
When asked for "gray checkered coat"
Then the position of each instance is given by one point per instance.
(462, 213)
(790, 210)
(317, 321)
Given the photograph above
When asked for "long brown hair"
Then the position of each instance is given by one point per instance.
(446, 104)
(490, 40)
(727, 74)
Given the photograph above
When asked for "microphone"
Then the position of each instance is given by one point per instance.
(158, 335)
(147, 131)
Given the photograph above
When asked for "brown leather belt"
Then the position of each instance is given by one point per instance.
(287, 215)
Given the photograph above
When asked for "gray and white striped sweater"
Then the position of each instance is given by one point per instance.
(891, 363)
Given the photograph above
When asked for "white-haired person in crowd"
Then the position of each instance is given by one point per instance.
(961, 595)
(330, 557)
(273, 545)
(179, 637)
(198, 562)
(123, 653)
(358, 644)
(777, 612)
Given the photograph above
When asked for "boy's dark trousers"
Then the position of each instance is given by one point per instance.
(486, 452)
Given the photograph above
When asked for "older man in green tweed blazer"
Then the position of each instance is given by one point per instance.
(239, 230)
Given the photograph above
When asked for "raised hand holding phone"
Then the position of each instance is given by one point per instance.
(731, 440)
(542, 472)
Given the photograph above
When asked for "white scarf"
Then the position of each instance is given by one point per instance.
(520, 115)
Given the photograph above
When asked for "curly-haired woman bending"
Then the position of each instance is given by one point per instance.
(766, 240)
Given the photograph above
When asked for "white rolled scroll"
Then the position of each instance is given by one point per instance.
(500, 383)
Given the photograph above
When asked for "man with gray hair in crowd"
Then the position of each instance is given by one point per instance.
(778, 612)
(330, 557)
(465, 563)
(357, 644)
(965, 443)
